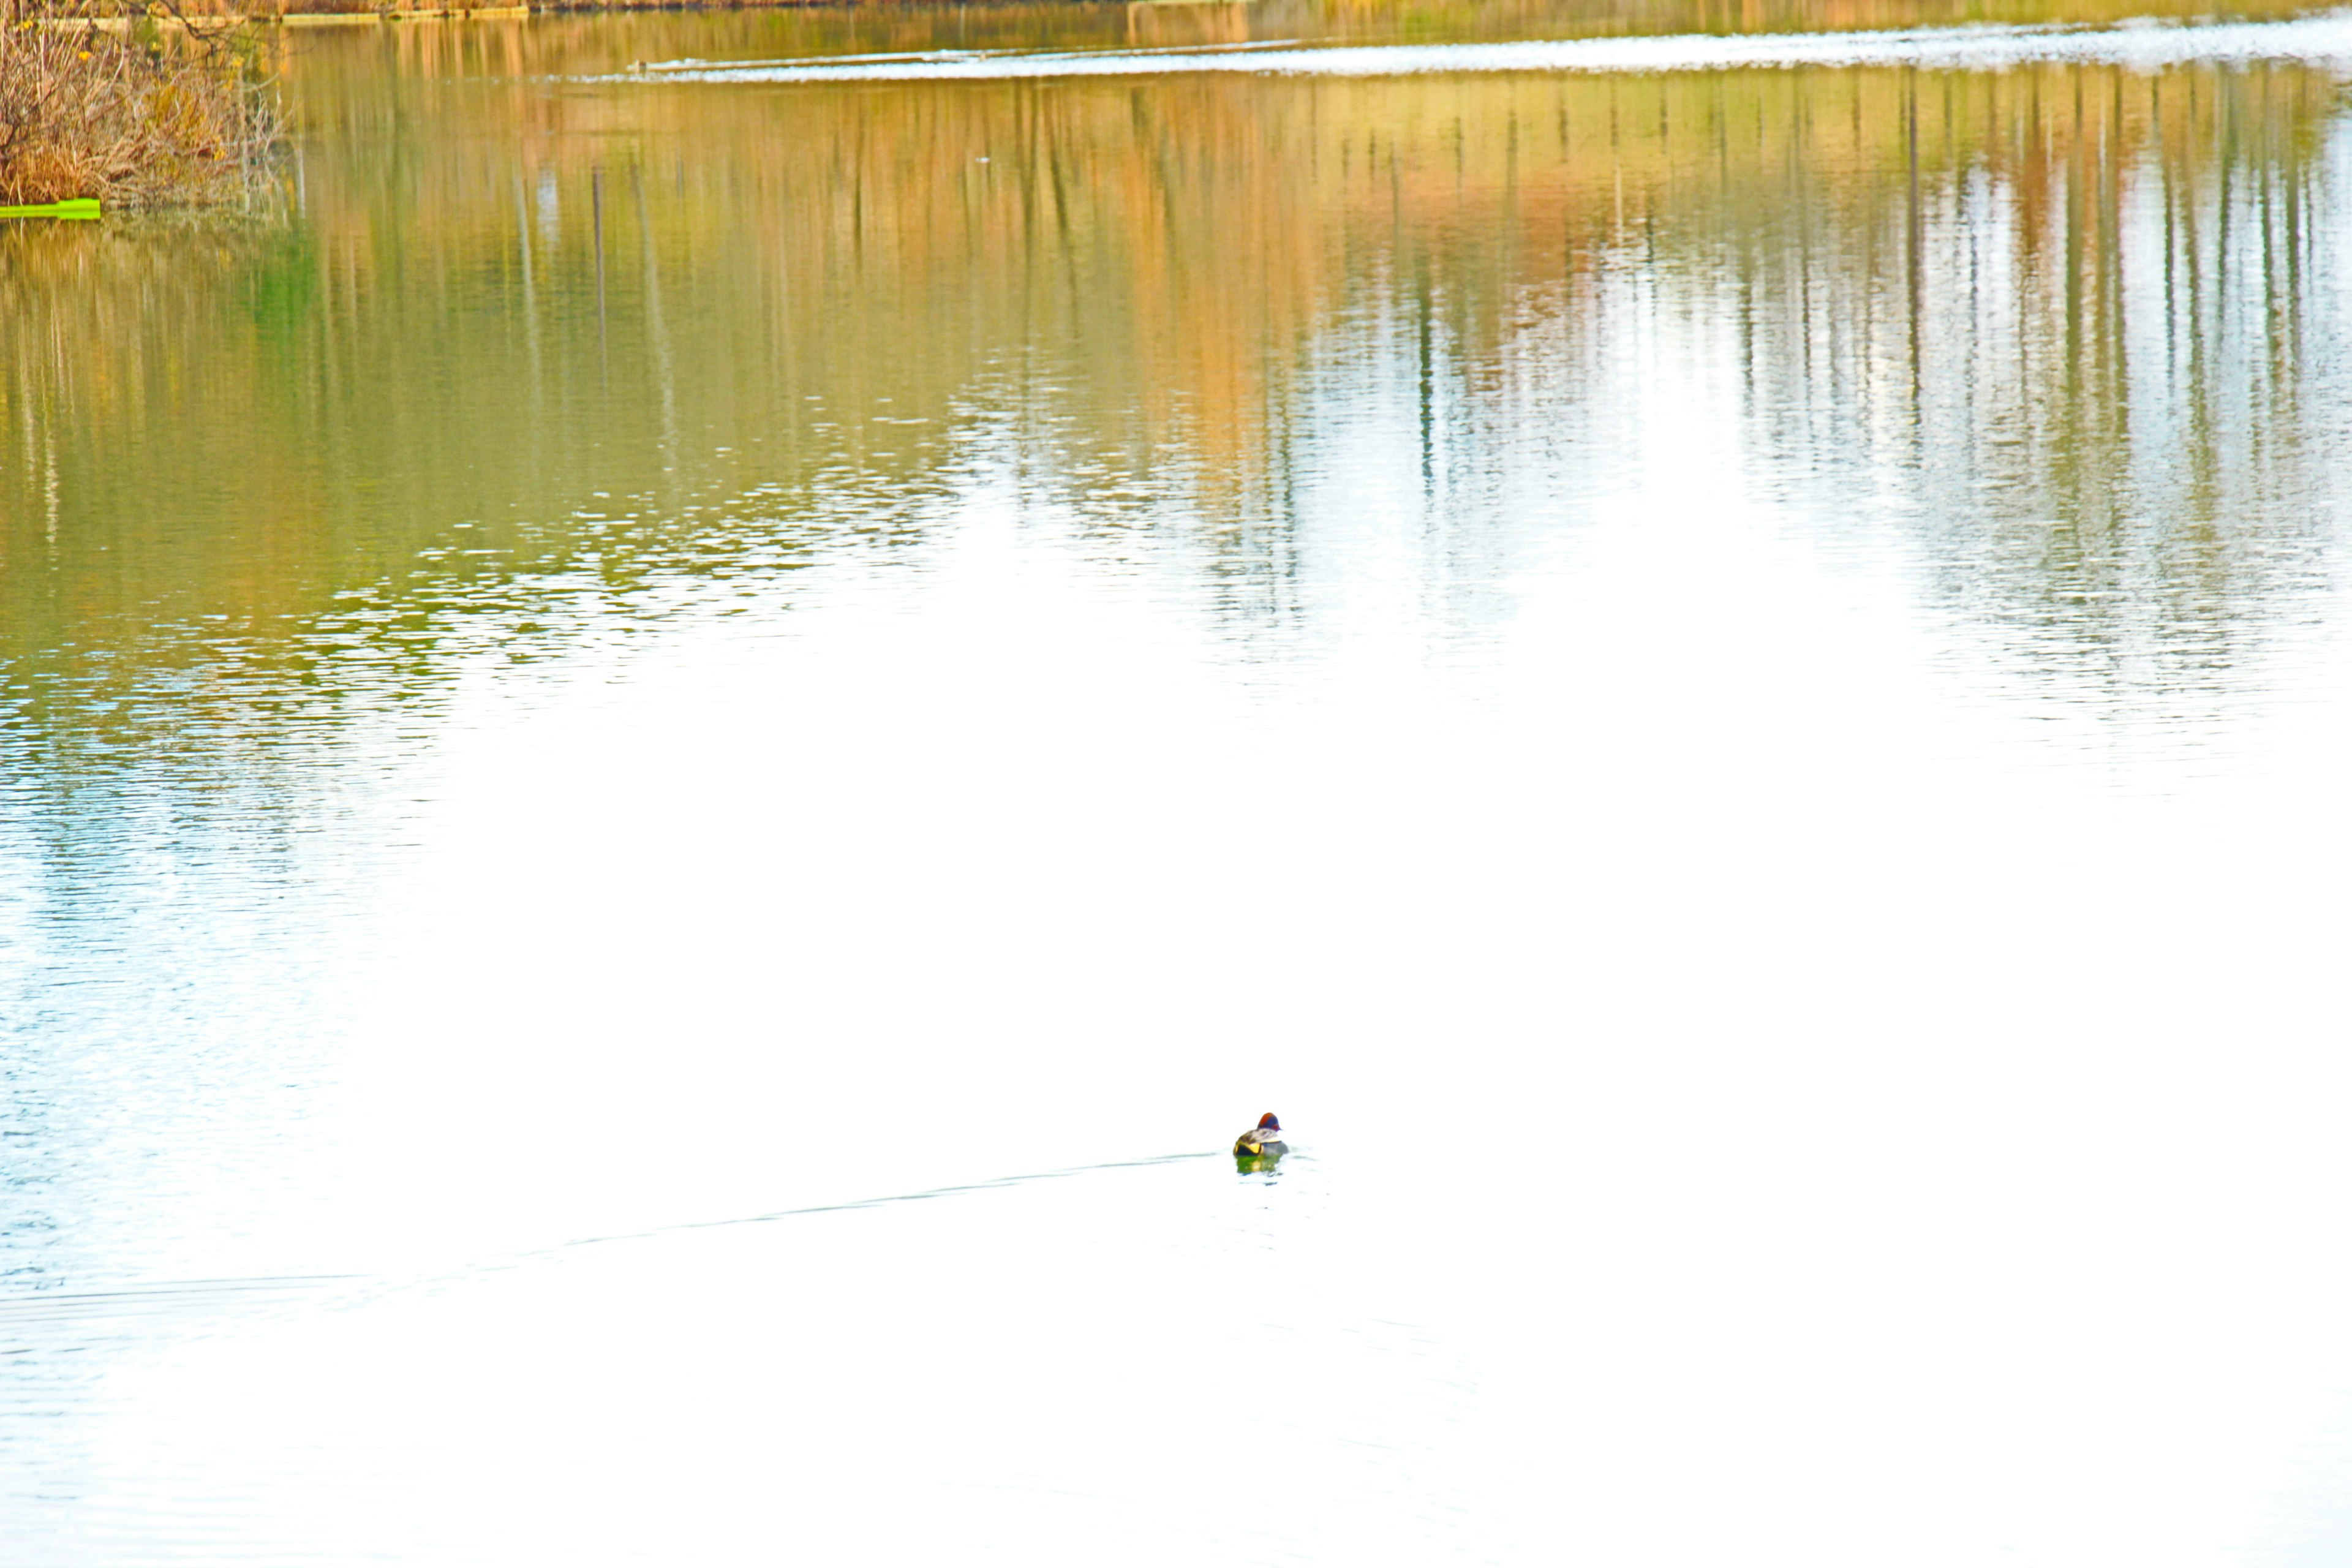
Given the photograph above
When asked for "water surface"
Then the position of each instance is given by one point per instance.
(680, 745)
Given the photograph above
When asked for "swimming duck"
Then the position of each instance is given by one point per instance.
(1263, 1142)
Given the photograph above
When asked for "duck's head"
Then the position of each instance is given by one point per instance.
(1267, 1123)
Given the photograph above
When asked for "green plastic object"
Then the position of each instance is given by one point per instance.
(76, 206)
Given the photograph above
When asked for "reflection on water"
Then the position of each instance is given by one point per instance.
(2063, 324)
(1644, 653)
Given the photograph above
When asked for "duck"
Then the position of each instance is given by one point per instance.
(1263, 1142)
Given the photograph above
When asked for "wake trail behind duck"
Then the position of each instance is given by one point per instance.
(2143, 46)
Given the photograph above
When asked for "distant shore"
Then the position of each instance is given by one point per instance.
(207, 21)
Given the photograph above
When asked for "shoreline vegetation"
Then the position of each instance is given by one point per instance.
(149, 111)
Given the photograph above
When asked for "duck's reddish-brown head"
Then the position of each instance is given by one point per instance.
(1267, 1123)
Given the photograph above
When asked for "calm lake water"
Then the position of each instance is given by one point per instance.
(1712, 644)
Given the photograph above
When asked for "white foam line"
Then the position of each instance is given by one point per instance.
(2145, 45)
(830, 65)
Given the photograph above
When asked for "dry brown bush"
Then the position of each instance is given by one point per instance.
(138, 112)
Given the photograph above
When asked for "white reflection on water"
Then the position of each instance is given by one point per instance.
(1738, 1115)
(2142, 45)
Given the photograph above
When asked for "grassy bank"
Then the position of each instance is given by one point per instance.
(141, 111)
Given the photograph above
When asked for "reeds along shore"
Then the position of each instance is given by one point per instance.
(138, 112)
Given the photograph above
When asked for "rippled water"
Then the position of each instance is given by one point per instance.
(678, 750)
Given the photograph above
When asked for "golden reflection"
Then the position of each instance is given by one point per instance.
(523, 336)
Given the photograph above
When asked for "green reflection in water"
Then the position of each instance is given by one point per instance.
(522, 347)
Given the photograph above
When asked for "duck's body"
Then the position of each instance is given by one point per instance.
(1263, 1142)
